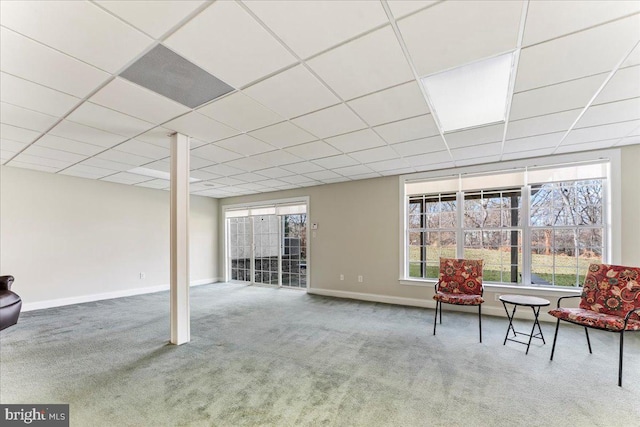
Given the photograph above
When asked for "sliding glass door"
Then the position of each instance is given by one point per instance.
(268, 245)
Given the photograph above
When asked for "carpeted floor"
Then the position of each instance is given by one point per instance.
(278, 357)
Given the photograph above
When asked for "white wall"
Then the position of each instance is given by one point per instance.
(359, 234)
(66, 238)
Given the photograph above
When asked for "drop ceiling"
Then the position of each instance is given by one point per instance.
(320, 91)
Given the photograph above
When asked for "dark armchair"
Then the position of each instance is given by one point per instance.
(10, 303)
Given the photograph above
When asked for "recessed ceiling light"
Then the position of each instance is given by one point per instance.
(472, 95)
(153, 173)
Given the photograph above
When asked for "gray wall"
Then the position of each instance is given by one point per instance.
(67, 237)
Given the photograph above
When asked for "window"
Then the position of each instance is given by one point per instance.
(539, 226)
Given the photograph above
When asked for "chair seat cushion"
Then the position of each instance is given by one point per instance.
(594, 319)
(458, 299)
(8, 298)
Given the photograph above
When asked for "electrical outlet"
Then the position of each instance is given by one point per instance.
(342, 277)
(142, 276)
(360, 279)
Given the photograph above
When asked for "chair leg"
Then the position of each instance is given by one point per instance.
(441, 312)
(553, 348)
(586, 331)
(480, 320)
(620, 365)
(435, 321)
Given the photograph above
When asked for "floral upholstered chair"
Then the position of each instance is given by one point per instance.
(459, 283)
(610, 301)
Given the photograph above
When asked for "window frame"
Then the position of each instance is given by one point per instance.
(611, 206)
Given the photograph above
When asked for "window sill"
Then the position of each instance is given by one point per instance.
(495, 287)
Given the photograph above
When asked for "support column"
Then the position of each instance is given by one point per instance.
(180, 315)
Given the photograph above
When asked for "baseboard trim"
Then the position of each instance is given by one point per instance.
(522, 313)
(40, 305)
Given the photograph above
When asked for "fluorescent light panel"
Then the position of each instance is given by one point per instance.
(153, 173)
(472, 95)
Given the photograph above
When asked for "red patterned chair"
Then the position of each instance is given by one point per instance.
(459, 283)
(610, 301)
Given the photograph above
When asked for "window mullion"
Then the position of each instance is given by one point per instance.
(526, 235)
(460, 224)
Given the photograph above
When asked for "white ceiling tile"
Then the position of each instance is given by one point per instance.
(35, 97)
(240, 112)
(247, 164)
(136, 101)
(533, 142)
(624, 84)
(593, 145)
(455, 33)
(125, 158)
(32, 61)
(599, 133)
(50, 153)
(85, 171)
(578, 55)
(78, 132)
(391, 105)
(275, 172)
(201, 174)
(249, 177)
(318, 25)
(367, 64)
(283, 135)
(330, 121)
(223, 170)
(11, 146)
(301, 168)
(442, 159)
(200, 127)
(633, 58)
(542, 124)
(612, 112)
(400, 171)
(552, 99)
(108, 164)
(420, 146)
(322, 175)
(113, 43)
(159, 165)
(630, 140)
(297, 179)
(103, 118)
(246, 145)
(26, 119)
(198, 163)
(227, 181)
(365, 176)
(153, 17)
(277, 158)
(356, 141)
(478, 160)
(292, 92)
(125, 178)
(527, 154)
(406, 130)
(14, 133)
(476, 136)
(375, 155)
(551, 19)
(334, 162)
(158, 184)
(388, 165)
(238, 50)
(273, 183)
(353, 170)
(400, 8)
(33, 166)
(477, 151)
(144, 149)
(313, 150)
(336, 180)
(158, 136)
(40, 161)
(214, 153)
(254, 186)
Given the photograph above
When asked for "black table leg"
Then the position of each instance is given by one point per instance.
(510, 317)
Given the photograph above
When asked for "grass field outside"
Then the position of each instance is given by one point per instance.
(569, 271)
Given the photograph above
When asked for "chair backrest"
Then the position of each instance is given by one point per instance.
(460, 276)
(611, 289)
